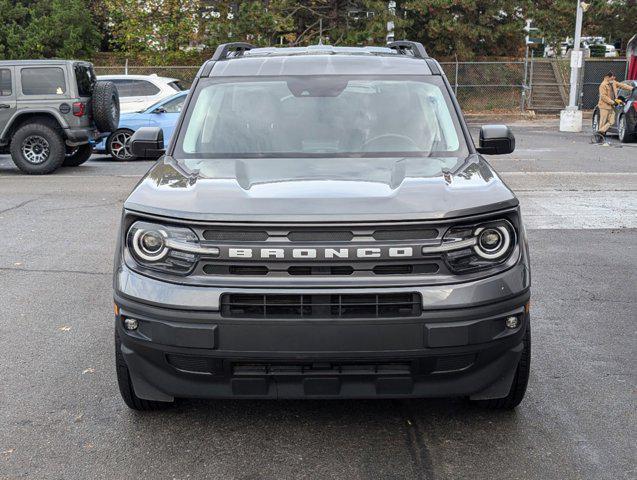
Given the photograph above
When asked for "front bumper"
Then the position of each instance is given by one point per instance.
(458, 346)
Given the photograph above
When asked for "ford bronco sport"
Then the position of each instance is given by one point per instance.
(322, 226)
(50, 111)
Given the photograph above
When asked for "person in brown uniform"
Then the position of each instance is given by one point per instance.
(608, 100)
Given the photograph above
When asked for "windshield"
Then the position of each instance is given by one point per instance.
(321, 116)
(164, 103)
(177, 85)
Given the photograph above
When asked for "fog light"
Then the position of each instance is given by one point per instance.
(512, 322)
(130, 324)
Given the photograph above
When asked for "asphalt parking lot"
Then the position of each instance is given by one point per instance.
(61, 416)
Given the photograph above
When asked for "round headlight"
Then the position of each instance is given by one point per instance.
(149, 245)
(490, 239)
(493, 242)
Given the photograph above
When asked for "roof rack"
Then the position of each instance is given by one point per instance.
(224, 50)
(416, 48)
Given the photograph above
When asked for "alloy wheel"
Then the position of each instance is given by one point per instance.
(120, 147)
(35, 149)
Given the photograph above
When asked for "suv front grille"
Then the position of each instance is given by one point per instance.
(266, 252)
(315, 234)
(384, 305)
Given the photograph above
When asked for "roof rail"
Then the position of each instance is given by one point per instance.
(223, 51)
(417, 50)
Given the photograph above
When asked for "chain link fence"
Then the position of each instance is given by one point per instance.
(594, 71)
(485, 86)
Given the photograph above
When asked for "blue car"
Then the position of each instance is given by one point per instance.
(163, 114)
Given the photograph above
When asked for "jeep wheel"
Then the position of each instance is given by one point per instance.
(38, 148)
(622, 129)
(118, 145)
(126, 386)
(105, 106)
(520, 381)
(76, 156)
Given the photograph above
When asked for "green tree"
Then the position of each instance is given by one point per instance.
(343, 22)
(468, 28)
(613, 20)
(252, 21)
(12, 18)
(57, 28)
(154, 25)
(62, 28)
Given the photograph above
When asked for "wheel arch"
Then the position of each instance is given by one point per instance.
(26, 116)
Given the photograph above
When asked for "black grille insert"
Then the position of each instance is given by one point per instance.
(393, 269)
(229, 235)
(212, 269)
(189, 363)
(321, 270)
(321, 306)
(248, 270)
(320, 236)
(397, 234)
(416, 268)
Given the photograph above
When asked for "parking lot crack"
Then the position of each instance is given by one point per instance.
(75, 207)
(19, 205)
(415, 441)
(52, 270)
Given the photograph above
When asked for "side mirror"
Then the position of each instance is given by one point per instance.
(147, 142)
(159, 110)
(496, 140)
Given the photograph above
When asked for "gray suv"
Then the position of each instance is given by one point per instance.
(51, 111)
(322, 226)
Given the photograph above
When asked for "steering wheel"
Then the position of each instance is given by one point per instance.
(390, 135)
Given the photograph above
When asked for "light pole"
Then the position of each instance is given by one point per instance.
(391, 6)
(571, 116)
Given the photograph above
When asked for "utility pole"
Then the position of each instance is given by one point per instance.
(391, 6)
(571, 116)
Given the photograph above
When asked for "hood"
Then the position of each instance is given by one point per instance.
(124, 117)
(319, 190)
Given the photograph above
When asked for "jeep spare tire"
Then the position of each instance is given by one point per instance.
(105, 105)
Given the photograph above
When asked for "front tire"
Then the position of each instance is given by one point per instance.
(622, 129)
(126, 386)
(118, 145)
(38, 148)
(78, 156)
(595, 122)
(520, 381)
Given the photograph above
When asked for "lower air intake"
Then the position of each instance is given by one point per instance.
(321, 306)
